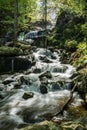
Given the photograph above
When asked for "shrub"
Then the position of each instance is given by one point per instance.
(71, 45)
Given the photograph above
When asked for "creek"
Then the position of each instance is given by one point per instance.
(27, 98)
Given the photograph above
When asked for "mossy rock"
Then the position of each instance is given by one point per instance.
(46, 125)
(10, 51)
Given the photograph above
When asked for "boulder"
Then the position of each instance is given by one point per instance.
(27, 95)
(16, 85)
(8, 81)
(46, 74)
(43, 88)
(37, 70)
(44, 80)
(15, 64)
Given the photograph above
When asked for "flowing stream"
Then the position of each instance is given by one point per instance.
(48, 84)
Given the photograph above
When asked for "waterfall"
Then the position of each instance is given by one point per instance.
(48, 75)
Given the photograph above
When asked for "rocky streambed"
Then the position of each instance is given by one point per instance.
(32, 97)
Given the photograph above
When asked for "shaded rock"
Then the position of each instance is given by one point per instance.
(28, 95)
(51, 49)
(34, 48)
(53, 57)
(15, 64)
(74, 75)
(2, 87)
(43, 88)
(46, 74)
(44, 80)
(55, 87)
(37, 70)
(25, 80)
(46, 60)
(1, 96)
(46, 125)
(16, 85)
(10, 51)
(8, 81)
(33, 63)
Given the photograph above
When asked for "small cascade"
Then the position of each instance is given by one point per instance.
(43, 91)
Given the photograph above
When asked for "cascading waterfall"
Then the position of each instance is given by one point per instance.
(17, 111)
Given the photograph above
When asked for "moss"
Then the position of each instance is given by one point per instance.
(46, 125)
(10, 51)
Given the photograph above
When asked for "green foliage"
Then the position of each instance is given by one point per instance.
(83, 48)
(80, 58)
(26, 13)
(71, 45)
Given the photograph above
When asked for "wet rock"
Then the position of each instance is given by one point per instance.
(3, 95)
(42, 57)
(43, 88)
(55, 87)
(33, 63)
(47, 74)
(44, 80)
(28, 95)
(16, 85)
(8, 81)
(37, 70)
(53, 57)
(34, 48)
(47, 60)
(2, 87)
(51, 49)
(25, 80)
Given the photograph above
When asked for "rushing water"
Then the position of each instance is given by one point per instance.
(16, 112)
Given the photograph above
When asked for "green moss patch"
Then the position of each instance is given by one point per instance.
(10, 51)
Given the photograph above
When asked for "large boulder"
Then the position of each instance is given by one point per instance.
(14, 64)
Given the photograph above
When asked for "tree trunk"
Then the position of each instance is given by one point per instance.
(15, 20)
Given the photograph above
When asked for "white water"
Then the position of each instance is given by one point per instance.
(16, 110)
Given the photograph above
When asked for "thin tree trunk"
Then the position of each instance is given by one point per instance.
(15, 20)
